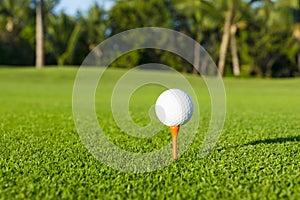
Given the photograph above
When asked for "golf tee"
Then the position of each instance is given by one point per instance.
(174, 132)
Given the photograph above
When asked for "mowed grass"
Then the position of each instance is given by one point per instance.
(42, 156)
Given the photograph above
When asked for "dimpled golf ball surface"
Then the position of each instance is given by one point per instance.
(174, 107)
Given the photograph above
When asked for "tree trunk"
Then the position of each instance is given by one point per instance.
(234, 54)
(296, 35)
(68, 54)
(39, 62)
(298, 56)
(196, 69)
(225, 39)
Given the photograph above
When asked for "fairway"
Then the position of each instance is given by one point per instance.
(42, 156)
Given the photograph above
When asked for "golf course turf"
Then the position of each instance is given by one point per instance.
(42, 156)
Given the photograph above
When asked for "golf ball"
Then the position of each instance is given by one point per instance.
(174, 107)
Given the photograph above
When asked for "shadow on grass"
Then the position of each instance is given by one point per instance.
(275, 140)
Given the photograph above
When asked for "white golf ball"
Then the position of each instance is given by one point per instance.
(174, 107)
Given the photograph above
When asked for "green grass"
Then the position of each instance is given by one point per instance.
(42, 156)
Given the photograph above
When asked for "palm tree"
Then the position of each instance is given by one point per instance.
(71, 45)
(203, 15)
(280, 19)
(296, 31)
(91, 28)
(14, 21)
(234, 52)
(56, 44)
(228, 32)
(12, 12)
(296, 34)
(95, 28)
(39, 62)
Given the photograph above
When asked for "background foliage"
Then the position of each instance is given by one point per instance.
(267, 32)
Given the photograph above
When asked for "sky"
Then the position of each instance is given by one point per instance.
(71, 6)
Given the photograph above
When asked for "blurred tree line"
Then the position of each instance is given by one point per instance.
(244, 37)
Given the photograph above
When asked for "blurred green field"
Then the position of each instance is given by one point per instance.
(42, 156)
